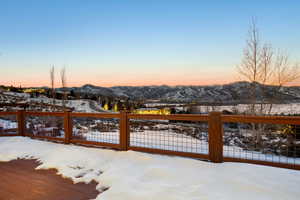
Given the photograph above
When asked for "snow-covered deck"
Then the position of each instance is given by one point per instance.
(133, 175)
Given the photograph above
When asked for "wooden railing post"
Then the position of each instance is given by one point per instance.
(124, 131)
(21, 122)
(215, 137)
(68, 127)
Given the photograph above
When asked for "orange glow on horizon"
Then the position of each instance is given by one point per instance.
(134, 80)
(106, 83)
(118, 83)
(170, 78)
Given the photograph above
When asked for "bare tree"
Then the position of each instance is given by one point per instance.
(250, 63)
(285, 72)
(249, 69)
(64, 84)
(262, 66)
(52, 80)
(265, 76)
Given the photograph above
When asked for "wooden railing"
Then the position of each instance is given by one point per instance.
(215, 121)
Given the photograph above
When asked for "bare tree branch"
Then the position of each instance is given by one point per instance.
(52, 80)
(64, 84)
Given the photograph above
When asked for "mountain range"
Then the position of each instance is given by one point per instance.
(237, 92)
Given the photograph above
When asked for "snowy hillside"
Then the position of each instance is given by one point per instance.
(135, 176)
(277, 109)
(229, 93)
(78, 105)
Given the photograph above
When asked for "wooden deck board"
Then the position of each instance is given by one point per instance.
(20, 181)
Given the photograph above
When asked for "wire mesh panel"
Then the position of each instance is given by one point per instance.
(263, 142)
(48, 126)
(8, 124)
(96, 129)
(173, 135)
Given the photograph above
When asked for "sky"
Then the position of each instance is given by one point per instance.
(124, 42)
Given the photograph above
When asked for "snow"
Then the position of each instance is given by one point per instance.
(96, 136)
(151, 139)
(168, 140)
(7, 124)
(82, 105)
(134, 176)
(22, 95)
(78, 105)
(278, 109)
(237, 152)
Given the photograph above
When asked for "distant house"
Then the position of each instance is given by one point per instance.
(34, 90)
(162, 111)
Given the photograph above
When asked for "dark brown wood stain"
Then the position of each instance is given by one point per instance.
(20, 181)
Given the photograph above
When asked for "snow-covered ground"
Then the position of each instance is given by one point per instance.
(79, 105)
(168, 140)
(292, 108)
(152, 139)
(7, 124)
(134, 176)
(23, 95)
(289, 108)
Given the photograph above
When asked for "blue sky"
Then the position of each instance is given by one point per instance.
(137, 42)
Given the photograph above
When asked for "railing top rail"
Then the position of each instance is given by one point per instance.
(8, 113)
(295, 120)
(184, 117)
(261, 119)
(98, 115)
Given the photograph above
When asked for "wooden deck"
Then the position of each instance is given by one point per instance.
(20, 181)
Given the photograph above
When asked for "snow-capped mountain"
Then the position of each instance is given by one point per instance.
(237, 92)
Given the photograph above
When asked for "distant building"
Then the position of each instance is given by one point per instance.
(34, 90)
(162, 111)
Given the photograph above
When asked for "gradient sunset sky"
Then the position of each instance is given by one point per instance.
(149, 42)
